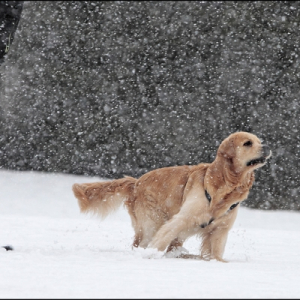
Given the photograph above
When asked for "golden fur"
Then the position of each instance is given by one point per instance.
(169, 205)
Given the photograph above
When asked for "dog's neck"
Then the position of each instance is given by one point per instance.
(221, 176)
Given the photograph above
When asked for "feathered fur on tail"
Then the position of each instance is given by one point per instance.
(104, 198)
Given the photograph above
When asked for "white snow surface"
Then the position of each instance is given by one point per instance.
(61, 253)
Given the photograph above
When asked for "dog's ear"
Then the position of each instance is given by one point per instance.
(227, 149)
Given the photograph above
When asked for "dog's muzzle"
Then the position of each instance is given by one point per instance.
(265, 154)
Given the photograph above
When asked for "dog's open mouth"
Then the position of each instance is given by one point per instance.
(256, 161)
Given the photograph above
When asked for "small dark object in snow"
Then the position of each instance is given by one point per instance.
(7, 248)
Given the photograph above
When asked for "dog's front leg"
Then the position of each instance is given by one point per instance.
(167, 233)
(183, 223)
(214, 237)
(213, 244)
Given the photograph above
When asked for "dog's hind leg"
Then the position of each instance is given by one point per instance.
(137, 229)
(137, 239)
(130, 205)
(144, 228)
(149, 229)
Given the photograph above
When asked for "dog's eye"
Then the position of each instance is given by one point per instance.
(248, 144)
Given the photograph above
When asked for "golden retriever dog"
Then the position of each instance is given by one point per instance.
(169, 205)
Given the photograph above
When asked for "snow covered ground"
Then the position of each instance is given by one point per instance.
(60, 253)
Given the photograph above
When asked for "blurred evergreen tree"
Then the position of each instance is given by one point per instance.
(119, 88)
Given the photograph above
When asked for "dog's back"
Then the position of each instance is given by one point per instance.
(161, 191)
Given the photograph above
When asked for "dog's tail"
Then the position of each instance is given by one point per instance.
(103, 198)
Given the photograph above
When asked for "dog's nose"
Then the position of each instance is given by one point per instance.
(266, 150)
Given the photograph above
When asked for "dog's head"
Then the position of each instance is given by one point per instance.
(230, 176)
(244, 152)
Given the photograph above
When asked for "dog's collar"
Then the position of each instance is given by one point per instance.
(208, 197)
(234, 205)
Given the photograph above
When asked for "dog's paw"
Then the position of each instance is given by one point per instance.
(220, 259)
(176, 252)
(158, 245)
(147, 253)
